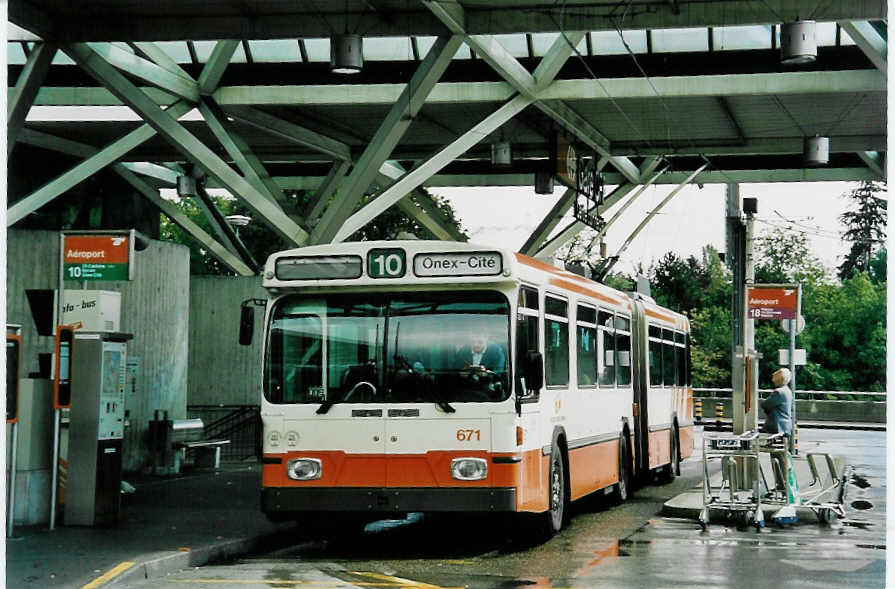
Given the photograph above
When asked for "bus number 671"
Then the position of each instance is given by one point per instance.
(468, 435)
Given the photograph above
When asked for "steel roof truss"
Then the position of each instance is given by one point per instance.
(148, 71)
(22, 96)
(875, 161)
(291, 132)
(387, 137)
(186, 143)
(217, 62)
(868, 40)
(239, 151)
(549, 222)
(87, 168)
(397, 190)
(127, 172)
(509, 68)
(324, 192)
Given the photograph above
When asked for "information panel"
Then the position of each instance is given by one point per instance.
(446, 264)
(773, 301)
(97, 256)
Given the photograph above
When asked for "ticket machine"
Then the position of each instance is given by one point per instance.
(96, 428)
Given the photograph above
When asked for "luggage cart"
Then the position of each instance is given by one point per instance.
(731, 449)
(824, 495)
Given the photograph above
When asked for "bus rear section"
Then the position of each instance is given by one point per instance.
(383, 403)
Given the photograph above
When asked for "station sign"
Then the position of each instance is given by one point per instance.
(98, 256)
(773, 301)
(447, 264)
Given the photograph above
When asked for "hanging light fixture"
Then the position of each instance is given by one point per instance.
(798, 43)
(501, 153)
(543, 183)
(346, 54)
(816, 150)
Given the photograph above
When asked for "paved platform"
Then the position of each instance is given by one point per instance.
(167, 524)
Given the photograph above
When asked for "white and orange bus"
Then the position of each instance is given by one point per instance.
(427, 376)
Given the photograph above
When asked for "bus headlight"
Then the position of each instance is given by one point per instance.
(469, 469)
(304, 469)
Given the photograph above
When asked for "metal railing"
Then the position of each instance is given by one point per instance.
(241, 424)
(812, 395)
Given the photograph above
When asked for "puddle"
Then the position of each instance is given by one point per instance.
(859, 481)
(861, 504)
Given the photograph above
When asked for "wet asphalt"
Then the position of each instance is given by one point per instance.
(630, 545)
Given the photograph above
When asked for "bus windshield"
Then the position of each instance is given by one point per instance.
(394, 348)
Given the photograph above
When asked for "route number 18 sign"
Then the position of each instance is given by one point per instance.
(773, 301)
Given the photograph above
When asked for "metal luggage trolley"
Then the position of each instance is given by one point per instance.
(744, 504)
(824, 495)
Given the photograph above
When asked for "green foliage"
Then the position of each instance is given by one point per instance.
(710, 346)
(784, 256)
(686, 285)
(845, 336)
(865, 227)
(877, 271)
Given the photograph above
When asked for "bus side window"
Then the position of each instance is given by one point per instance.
(556, 341)
(623, 350)
(587, 346)
(607, 349)
(526, 332)
(655, 356)
(680, 360)
(668, 365)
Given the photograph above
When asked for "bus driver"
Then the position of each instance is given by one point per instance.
(481, 355)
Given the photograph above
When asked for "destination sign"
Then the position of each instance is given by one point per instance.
(773, 302)
(458, 264)
(97, 257)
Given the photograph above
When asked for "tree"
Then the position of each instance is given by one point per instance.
(783, 255)
(865, 227)
(688, 284)
(262, 241)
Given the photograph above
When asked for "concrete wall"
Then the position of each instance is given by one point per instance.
(222, 372)
(154, 307)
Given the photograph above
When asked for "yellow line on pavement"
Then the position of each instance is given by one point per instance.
(402, 582)
(108, 575)
(307, 584)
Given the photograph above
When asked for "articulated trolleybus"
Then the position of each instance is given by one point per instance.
(427, 376)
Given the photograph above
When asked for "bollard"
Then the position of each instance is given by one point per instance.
(795, 439)
(719, 414)
(697, 410)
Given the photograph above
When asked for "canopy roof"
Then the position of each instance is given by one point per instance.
(697, 84)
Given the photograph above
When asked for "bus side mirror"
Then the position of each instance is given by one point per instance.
(534, 372)
(246, 325)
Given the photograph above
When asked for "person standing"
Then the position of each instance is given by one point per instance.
(778, 406)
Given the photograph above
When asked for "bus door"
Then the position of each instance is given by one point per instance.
(640, 361)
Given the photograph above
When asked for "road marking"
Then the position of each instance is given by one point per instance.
(402, 582)
(108, 575)
(306, 583)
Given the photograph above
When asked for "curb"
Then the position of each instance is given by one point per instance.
(161, 564)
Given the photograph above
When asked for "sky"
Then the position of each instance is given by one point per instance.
(695, 217)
